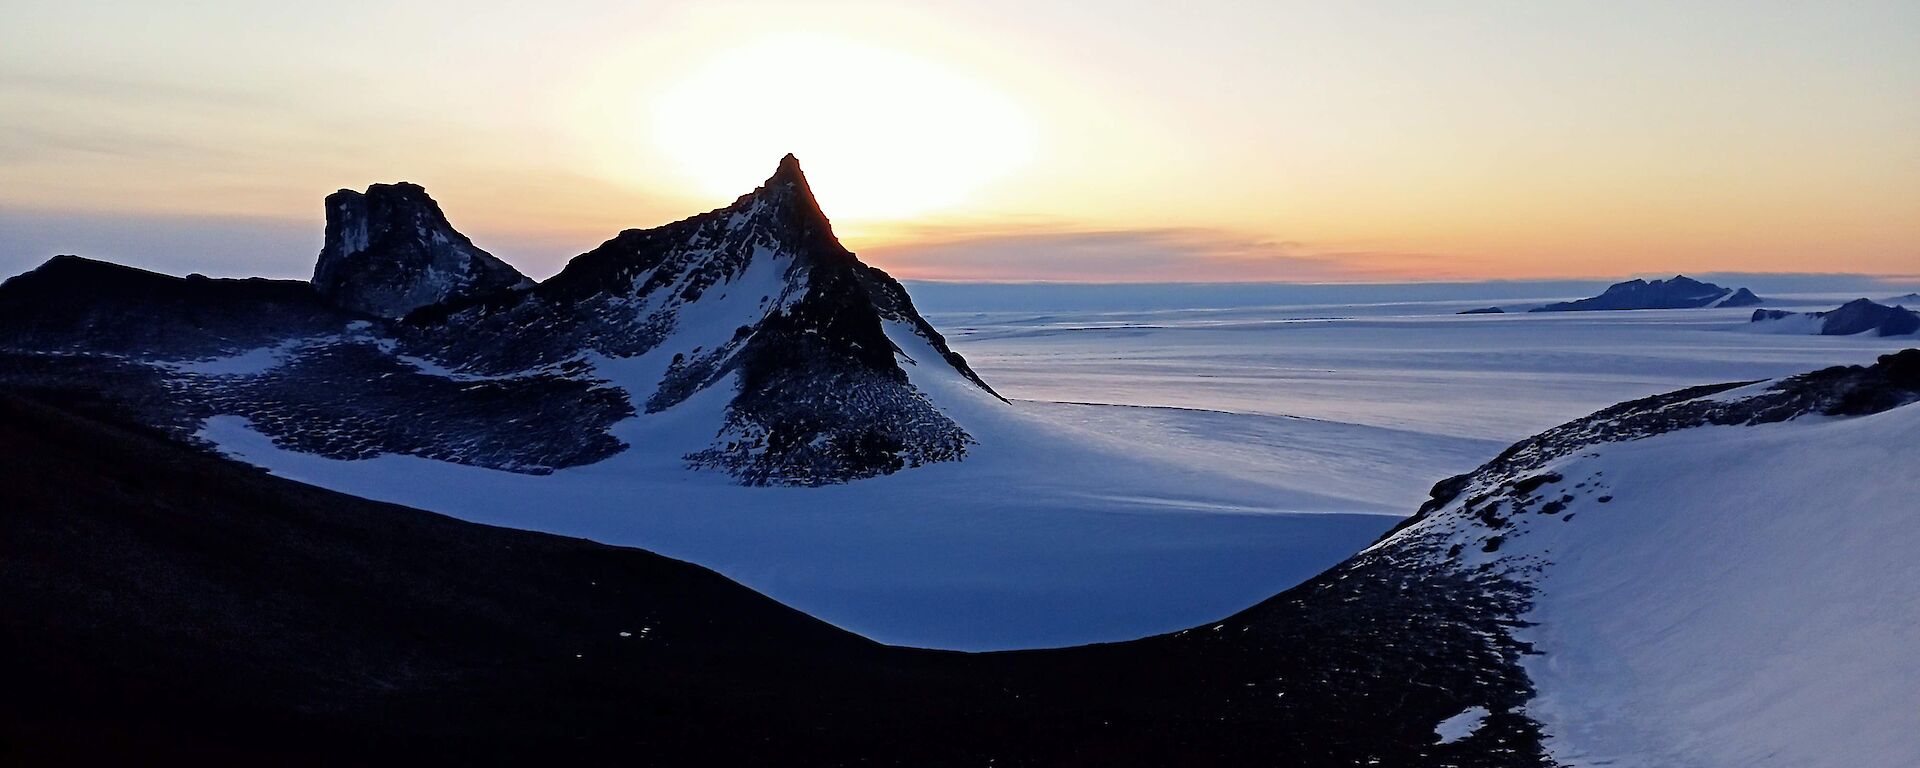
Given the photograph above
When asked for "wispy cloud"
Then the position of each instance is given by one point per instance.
(1043, 252)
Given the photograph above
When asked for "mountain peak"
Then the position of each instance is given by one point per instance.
(784, 205)
(787, 176)
(758, 298)
(1677, 292)
(390, 250)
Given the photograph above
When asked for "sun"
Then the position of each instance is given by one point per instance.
(885, 135)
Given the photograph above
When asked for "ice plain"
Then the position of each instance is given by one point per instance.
(1155, 470)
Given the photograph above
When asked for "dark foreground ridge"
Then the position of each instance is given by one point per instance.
(161, 605)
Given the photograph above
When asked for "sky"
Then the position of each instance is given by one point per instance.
(991, 140)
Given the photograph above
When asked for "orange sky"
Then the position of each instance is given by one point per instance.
(991, 140)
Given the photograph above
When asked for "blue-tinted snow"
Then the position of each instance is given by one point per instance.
(1257, 447)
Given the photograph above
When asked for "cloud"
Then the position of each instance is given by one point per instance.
(1174, 254)
(60, 113)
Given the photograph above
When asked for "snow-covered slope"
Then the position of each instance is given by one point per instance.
(1722, 576)
(1046, 535)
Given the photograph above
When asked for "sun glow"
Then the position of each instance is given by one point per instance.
(884, 135)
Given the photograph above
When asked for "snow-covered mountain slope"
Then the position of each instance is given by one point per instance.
(1721, 576)
(757, 297)
(809, 348)
(1854, 317)
(390, 251)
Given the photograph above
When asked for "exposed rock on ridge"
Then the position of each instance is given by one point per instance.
(390, 251)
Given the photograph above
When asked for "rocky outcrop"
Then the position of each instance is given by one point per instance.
(1680, 292)
(390, 251)
(1854, 317)
(76, 305)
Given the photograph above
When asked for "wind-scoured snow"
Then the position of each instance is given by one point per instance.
(1747, 597)
(1701, 595)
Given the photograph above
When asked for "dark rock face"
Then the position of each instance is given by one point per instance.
(1482, 311)
(758, 298)
(1680, 292)
(1854, 317)
(390, 251)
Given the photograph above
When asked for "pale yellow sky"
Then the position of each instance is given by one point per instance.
(993, 139)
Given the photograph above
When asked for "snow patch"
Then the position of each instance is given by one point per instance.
(252, 362)
(1461, 725)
